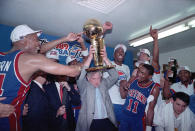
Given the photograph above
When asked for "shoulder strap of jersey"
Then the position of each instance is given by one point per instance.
(153, 86)
(16, 69)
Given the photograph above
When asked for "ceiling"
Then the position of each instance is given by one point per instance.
(130, 19)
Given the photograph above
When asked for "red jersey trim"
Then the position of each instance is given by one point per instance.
(76, 108)
(17, 71)
(173, 91)
(1, 53)
(148, 84)
(157, 72)
(156, 85)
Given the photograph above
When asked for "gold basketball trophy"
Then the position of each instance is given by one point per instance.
(93, 29)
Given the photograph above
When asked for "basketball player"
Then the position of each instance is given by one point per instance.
(18, 65)
(136, 94)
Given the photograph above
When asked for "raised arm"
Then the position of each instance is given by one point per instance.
(81, 82)
(103, 53)
(113, 74)
(87, 62)
(84, 50)
(86, 65)
(35, 62)
(166, 89)
(155, 60)
(58, 69)
(81, 41)
(54, 43)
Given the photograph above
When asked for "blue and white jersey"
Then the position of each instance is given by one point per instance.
(136, 99)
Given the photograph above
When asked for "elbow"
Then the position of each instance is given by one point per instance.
(42, 50)
(166, 95)
(123, 96)
(116, 75)
(113, 74)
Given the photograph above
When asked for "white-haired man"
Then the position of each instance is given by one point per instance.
(19, 64)
(96, 112)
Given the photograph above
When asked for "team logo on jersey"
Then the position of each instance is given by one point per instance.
(75, 51)
(122, 75)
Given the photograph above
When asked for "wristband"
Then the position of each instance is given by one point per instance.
(148, 128)
(85, 53)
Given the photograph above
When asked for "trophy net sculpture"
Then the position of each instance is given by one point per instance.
(94, 31)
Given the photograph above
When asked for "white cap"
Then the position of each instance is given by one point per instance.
(121, 46)
(183, 68)
(53, 54)
(171, 59)
(146, 51)
(141, 62)
(22, 30)
(69, 59)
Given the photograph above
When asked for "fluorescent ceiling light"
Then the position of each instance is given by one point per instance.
(173, 31)
(103, 6)
(145, 40)
(192, 23)
(164, 32)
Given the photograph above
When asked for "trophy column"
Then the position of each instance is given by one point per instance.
(94, 31)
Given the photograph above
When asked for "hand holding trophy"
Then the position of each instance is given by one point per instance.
(93, 29)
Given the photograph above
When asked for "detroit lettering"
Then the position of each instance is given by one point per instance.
(137, 95)
(4, 65)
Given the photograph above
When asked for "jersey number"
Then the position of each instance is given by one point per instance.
(2, 77)
(134, 109)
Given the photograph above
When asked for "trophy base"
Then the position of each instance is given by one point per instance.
(99, 68)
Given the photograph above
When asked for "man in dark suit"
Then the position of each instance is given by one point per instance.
(35, 117)
(36, 108)
(61, 115)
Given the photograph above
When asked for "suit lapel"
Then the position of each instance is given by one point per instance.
(56, 95)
